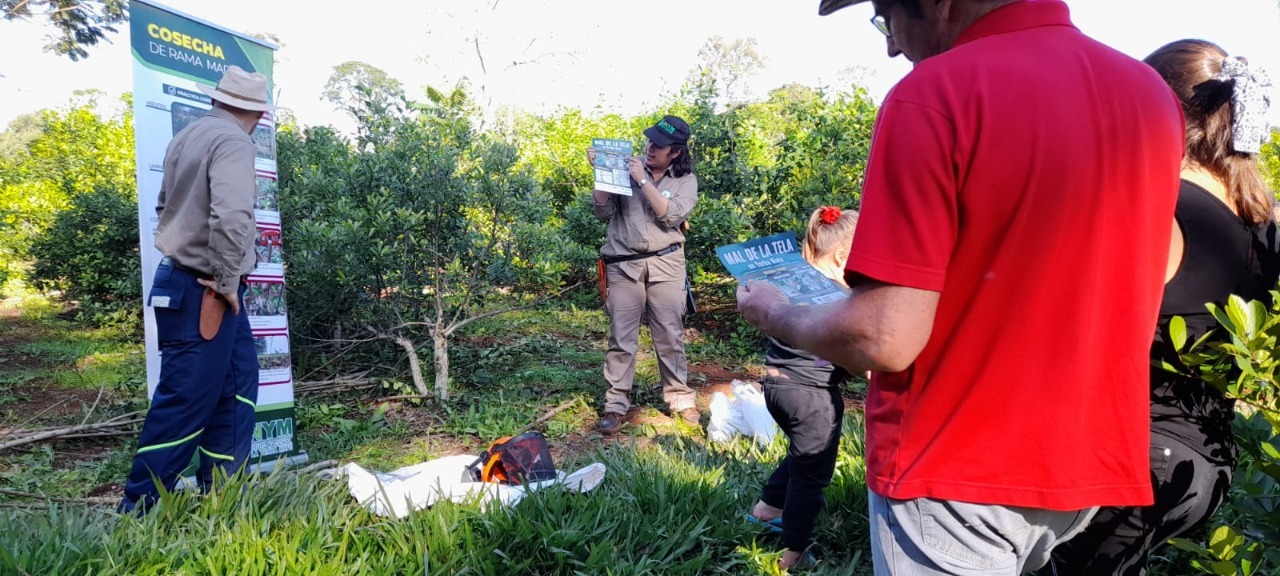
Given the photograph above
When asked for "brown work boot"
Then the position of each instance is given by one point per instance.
(690, 416)
(611, 423)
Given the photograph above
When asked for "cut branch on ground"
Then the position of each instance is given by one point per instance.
(340, 384)
(552, 414)
(92, 500)
(117, 426)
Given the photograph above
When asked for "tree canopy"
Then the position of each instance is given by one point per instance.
(79, 23)
(64, 155)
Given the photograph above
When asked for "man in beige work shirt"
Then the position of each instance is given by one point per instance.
(645, 268)
(208, 386)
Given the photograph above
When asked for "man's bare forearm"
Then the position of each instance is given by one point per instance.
(824, 331)
(877, 327)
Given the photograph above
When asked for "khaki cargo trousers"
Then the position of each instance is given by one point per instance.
(633, 286)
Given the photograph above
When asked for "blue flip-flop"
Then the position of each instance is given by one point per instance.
(774, 525)
(806, 562)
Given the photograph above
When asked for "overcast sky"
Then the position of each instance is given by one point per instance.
(540, 55)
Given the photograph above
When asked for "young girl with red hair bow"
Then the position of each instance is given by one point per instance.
(802, 393)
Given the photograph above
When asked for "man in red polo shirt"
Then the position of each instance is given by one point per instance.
(1006, 273)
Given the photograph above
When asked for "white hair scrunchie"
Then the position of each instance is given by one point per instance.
(1250, 99)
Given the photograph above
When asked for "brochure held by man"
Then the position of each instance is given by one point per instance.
(777, 260)
(613, 172)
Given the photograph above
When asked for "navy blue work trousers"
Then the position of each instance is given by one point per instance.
(206, 395)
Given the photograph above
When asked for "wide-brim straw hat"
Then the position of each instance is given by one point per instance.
(243, 90)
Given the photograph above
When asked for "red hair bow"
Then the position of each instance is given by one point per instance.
(829, 214)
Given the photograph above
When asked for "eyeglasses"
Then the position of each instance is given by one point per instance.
(882, 24)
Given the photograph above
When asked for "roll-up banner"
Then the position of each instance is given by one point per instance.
(172, 53)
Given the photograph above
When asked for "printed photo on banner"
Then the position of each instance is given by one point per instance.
(270, 362)
(270, 342)
(270, 252)
(264, 299)
(266, 202)
(267, 198)
(264, 137)
(184, 114)
(274, 363)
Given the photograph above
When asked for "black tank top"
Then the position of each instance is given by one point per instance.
(1222, 255)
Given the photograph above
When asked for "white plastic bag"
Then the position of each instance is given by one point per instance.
(742, 413)
(759, 423)
(726, 420)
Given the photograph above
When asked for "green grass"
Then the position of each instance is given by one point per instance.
(348, 434)
(564, 323)
(42, 471)
(88, 359)
(63, 354)
(45, 359)
(671, 507)
(670, 503)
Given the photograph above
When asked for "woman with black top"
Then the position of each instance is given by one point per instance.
(1224, 243)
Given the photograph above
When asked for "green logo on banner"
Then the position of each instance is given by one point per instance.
(273, 429)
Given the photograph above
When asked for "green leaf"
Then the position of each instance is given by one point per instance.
(1270, 469)
(1272, 418)
(1178, 332)
(1223, 540)
(1223, 568)
(1257, 314)
(1222, 317)
(1190, 546)
(1201, 341)
(1238, 313)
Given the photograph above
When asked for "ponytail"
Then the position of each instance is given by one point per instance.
(830, 228)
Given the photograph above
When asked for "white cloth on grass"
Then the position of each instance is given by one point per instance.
(401, 491)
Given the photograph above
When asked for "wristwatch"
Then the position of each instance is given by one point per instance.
(644, 181)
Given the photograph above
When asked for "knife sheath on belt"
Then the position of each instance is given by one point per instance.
(212, 308)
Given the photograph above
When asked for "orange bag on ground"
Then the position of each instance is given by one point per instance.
(514, 460)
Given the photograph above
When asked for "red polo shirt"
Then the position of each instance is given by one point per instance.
(1029, 175)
